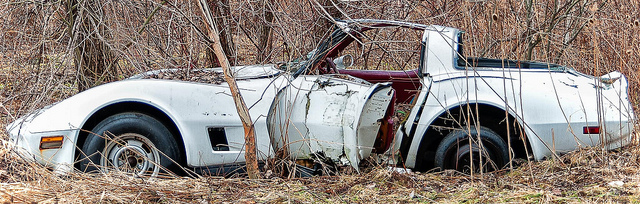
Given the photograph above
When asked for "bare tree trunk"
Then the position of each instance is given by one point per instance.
(265, 21)
(243, 111)
(222, 19)
(93, 58)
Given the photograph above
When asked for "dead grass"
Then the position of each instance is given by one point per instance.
(32, 78)
(583, 176)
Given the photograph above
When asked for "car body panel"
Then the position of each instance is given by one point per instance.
(313, 116)
(194, 108)
(552, 104)
(546, 118)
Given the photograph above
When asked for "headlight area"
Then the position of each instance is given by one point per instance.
(44, 138)
(53, 149)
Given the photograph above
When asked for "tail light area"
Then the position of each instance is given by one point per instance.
(591, 130)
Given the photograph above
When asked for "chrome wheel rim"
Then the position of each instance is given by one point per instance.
(131, 153)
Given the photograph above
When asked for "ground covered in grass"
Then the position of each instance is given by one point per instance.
(587, 175)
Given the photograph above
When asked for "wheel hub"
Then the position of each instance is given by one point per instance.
(131, 159)
(132, 153)
(473, 159)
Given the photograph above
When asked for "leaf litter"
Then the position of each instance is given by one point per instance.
(580, 176)
(194, 75)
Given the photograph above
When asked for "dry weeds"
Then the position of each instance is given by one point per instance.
(201, 76)
(35, 71)
(588, 175)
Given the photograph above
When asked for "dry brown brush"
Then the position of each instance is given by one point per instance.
(39, 65)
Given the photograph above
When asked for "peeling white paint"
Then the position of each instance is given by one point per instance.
(335, 117)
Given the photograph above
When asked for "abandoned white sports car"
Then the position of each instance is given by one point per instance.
(461, 113)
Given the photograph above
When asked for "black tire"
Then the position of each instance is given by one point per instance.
(454, 151)
(133, 143)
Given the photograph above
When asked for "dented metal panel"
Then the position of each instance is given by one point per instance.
(336, 118)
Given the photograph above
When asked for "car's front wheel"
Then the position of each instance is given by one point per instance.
(472, 150)
(134, 143)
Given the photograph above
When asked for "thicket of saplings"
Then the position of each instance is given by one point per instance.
(53, 49)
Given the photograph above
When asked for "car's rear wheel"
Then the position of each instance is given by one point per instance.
(479, 149)
(133, 143)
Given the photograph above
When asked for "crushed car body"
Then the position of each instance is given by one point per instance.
(203, 116)
(463, 113)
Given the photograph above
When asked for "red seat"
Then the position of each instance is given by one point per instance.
(406, 83)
